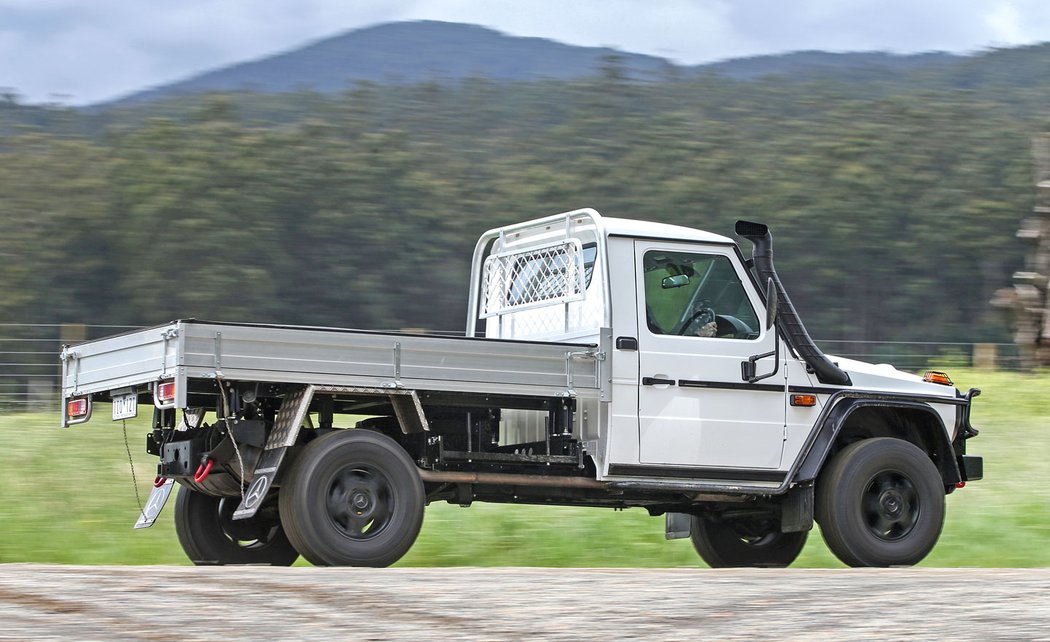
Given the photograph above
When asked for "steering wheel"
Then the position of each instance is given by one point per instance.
(732, 327)
(702, 316)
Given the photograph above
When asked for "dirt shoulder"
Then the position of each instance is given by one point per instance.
(185, 603)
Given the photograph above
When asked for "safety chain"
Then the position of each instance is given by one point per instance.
(229, 432)
(134, 479)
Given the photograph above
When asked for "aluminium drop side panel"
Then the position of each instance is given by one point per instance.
(124, 360)
(339, 357)
(322, 356)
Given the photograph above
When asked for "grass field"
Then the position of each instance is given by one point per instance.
(66, 496)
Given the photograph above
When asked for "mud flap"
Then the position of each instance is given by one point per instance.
(796, 510)
(157, 498)
(285, 431)
(677, 525)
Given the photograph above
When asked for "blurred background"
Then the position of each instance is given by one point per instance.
(308, 163)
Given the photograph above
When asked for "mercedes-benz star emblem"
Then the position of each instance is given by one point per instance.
(155, 503)
(256, 491)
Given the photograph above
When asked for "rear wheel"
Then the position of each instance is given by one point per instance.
(725, 543)
(353, 498)
(209, 535)
(880, 502)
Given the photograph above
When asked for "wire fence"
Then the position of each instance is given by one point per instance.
(30, 371)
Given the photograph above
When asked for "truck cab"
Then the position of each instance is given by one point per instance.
(701, 386)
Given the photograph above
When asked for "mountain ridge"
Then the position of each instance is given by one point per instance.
(391, 53)
(427, 50)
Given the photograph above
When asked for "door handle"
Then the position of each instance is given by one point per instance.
(656, 381)
(626, 343)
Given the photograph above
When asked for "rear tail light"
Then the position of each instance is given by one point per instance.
(78, 410)
(166, 391)
(164, 395)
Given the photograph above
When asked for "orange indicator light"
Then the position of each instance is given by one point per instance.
(804, 401)
(937, 377)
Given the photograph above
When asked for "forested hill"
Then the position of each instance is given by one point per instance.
(429, 51)
(822, 65)
(407, 52)
(894, 202)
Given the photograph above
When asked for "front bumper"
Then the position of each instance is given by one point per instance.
(971, 467)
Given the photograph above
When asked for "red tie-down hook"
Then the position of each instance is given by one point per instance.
(203, 470)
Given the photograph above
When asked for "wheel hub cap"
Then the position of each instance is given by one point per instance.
(891, 505)
(361, 502)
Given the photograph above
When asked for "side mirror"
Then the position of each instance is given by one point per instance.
(748, 368)
(772, 301)
(675, 281)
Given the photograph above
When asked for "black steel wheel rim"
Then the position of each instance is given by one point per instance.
(759, 542)
(891, 505)
(360, 502)
(756, 534)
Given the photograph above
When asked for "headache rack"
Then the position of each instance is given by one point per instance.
(536, 280)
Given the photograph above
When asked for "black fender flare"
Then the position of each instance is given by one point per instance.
(936, 441)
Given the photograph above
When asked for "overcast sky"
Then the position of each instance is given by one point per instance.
(82, 51)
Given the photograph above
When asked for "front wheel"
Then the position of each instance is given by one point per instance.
(728, 543)
(880, 502)
(353, 498)
(209, 535)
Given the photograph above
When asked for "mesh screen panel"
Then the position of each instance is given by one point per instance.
(532, 278)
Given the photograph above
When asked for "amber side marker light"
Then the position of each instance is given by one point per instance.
(937, 377)
(804, 401)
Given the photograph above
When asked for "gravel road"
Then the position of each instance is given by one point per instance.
(162, 603)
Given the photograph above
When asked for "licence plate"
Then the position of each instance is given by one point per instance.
(125, 406)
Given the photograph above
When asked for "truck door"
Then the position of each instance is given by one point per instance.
(699, 317)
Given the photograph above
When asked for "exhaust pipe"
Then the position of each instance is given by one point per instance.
(762, 255)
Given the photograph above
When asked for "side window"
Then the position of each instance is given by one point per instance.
(697, 295)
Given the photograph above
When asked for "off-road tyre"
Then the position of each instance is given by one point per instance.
(726, 543)
(209, 535)
(352, 498)
(880, 502)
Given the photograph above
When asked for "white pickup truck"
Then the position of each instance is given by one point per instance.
(606, 362)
